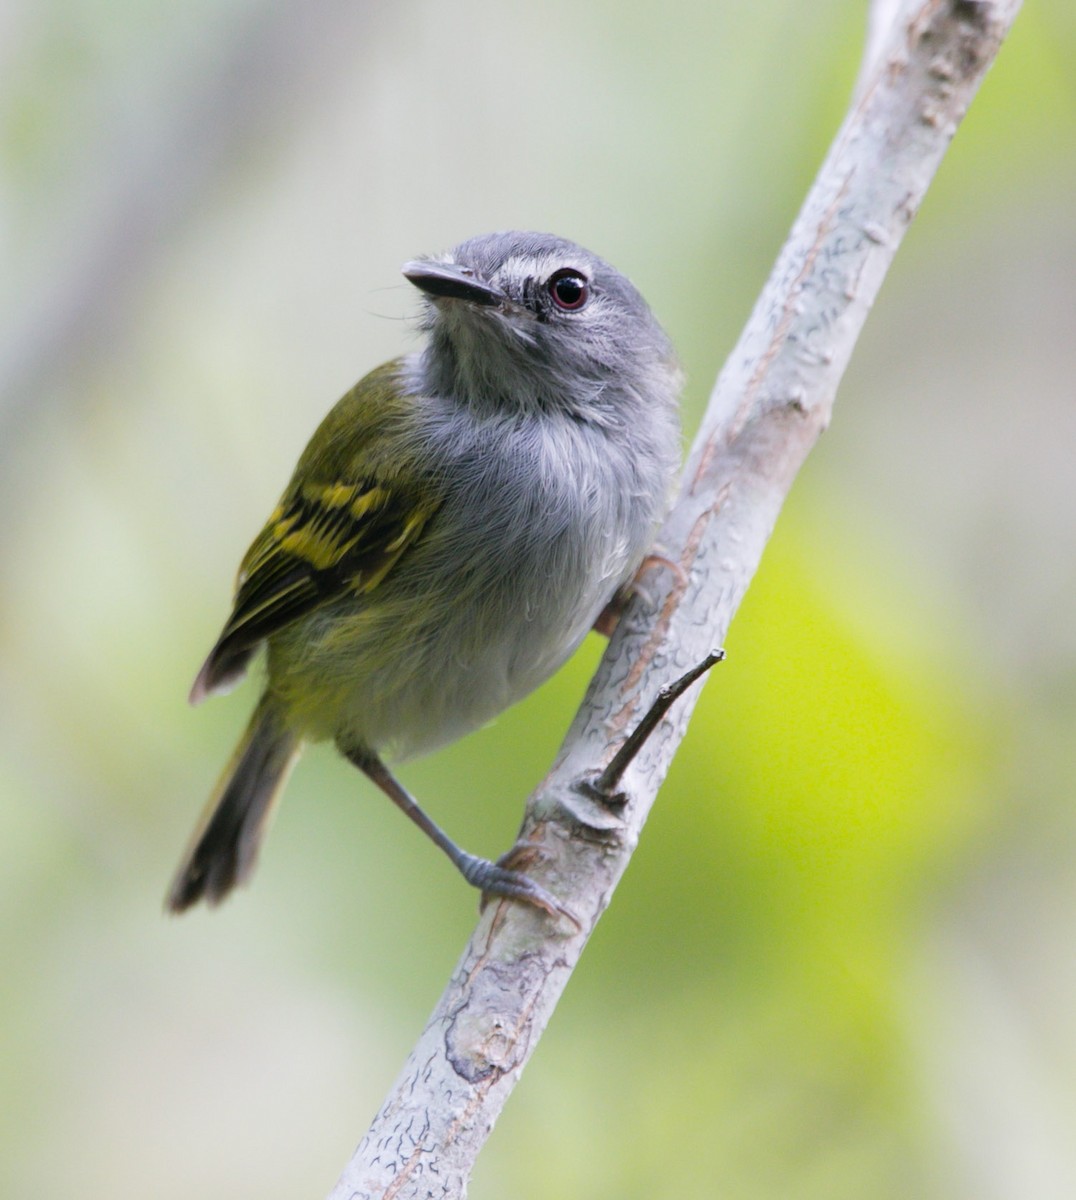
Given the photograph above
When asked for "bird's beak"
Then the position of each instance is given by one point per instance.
(446, 280)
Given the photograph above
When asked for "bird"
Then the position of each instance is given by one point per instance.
(457, 523)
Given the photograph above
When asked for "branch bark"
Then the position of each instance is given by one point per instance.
(768, 408)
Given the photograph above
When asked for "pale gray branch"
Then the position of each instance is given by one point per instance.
(770, 403)
(881, 17)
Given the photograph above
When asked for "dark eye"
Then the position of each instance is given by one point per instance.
(568, 288)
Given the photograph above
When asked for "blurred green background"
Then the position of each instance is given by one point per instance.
(842, 963)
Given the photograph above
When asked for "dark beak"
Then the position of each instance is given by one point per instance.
(452, 282)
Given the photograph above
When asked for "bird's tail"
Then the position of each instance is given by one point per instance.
(224, 848)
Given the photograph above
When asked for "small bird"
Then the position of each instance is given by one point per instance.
(457, 523)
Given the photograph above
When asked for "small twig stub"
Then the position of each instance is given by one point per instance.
(604, 786)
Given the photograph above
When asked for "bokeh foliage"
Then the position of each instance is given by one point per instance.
(840, 964)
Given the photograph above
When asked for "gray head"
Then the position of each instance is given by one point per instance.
(532, 321)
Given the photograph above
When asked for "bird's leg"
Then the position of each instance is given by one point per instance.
(609, 617)
(491, 878)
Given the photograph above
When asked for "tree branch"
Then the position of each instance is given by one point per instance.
(771, 402)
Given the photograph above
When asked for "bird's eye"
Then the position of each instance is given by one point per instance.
(568, 288)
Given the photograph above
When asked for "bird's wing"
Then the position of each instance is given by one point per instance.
(324, 539)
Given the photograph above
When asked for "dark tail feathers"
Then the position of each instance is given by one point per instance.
(225, 844)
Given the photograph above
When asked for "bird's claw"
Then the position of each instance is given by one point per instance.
(505, 880)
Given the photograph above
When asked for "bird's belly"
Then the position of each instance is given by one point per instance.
(387, 681)
(456, 634)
